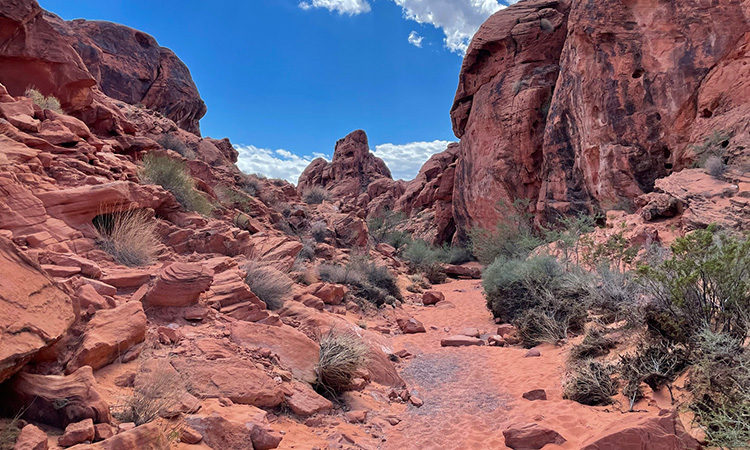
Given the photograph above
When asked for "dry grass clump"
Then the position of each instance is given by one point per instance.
(316, 195)
(129, 236)
(715, 166)
(158, 389)
(590, 383)
(594, 345)
(342, 355)
(9, 434)
(49, 102)
(172, 142)
(269, 284)
(319, 231)
(174, 176)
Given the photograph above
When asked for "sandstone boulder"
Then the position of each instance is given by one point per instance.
(149, 436)
(530, 437)
(432, 297)
(664, 432)
(31, 438)
(33, 312)
(109, 335)
(461, 341)
(180, 284)
(77, 433)
(237, 379)
(305, 402)
(410, 325)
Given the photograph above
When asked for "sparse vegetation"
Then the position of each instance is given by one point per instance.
(269, 284)
(715, 166)
(546, 25)
(590, 383)
(9, 433)
(367, 280)
(159, 388)
(427, 259)
(384, 228)
(316, 195)
(130, 237)
(513, 237)
(172, 142)
(656, 364)
(594, 345)
(342, 355)
(319, 231)
(49, 102)
(714, 145)
(174, 176)
(308, 250)
(250, 184)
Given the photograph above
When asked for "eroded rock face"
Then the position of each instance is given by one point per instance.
(129, 65)
(350, 171)
(664, 432)
(581, 106)
(506, 84)
(33, 312)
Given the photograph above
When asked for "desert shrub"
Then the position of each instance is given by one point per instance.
(513, 237)
(720, 383)
(427, 259)
(615, 295)
(536, 295)
(130, 237)
(172, 142)
(367, 280)
(342, 355)
(566, 232)
(49, 102)
(418, 283)
(590, 383)
(458, 255)
(715, 166)
(270, 285)
(250, 184)
(308, 250)
(657, 364)
(316, 195)
(9, 432)
(398, 239)
(160, 387)
(616, 253)
(513, 286)
(714, 145)
(594, 345)
(382, 224)
(174, 176)
(319, 231)
(546, 25)
(703, 286)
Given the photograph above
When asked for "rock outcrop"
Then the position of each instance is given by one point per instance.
(350, 171)
(76, 61)
(580, 106)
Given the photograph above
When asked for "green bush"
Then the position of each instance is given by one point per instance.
(513, 237)
(398, 239)
(458, 255)
(703, 286)
(536, 295)
(49, 102)
(427, 259)
(316, 195)
(174, 176)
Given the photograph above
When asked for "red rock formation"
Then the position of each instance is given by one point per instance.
(507, 80)
(130, 66)
(581, 106)
(350, 171)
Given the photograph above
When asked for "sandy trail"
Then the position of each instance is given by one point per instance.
(471, 394)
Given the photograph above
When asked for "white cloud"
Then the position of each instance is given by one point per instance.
(415, 39)
(459, 19)
(351, 7)
(272, 163)
(406, 160)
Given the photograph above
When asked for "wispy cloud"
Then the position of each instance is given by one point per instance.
(415, 39)
(350, 7)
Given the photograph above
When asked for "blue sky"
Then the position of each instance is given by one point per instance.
(284, 79)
